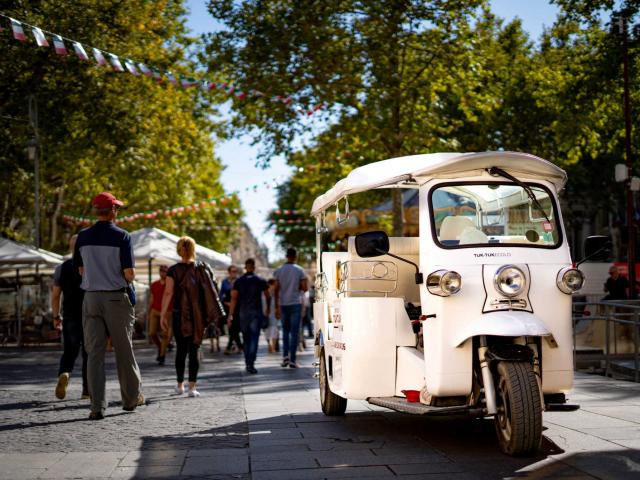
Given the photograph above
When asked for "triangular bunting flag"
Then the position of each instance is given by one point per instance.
(188, 82)
(171, 78)
(58, 44)
(157, 75)
(80, 52)
(131, 67)
(145, 70)
(115, 63)
(97, 54)
(18, 32)
(39, 36)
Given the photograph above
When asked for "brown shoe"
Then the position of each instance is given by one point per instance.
(96, 416)
(139, 403)
(61, 387)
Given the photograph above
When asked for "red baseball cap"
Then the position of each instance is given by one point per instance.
(105, 200)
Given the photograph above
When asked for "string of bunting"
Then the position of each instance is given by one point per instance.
(160, 212)
(217, 203)
(136, 68)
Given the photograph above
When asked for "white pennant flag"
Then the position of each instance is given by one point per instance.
(145, 70)
(39, 36)
(80, 52)
(97, 54)
(18, 32)
(115, 63)
(131, 67)
(58, 44)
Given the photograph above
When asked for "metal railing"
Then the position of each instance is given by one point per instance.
(615, 314)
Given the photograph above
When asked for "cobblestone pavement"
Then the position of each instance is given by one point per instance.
(269, 426)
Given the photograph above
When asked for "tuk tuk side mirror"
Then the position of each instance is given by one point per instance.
(372, 244)
(597, 247)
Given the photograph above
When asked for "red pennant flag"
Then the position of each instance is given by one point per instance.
(97, 54)
(58, 44)
(115, 63)
(131, 67)
(18, 32)
(39, 36)
(80, 52)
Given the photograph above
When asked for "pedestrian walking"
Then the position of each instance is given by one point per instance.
(159, 336)
(616, 287)
(290, 282)
(273, 331)
(66, 284)
(246, 299)
(104, 257)
(196, 304)
(235, 342)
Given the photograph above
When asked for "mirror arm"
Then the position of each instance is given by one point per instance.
(418, 277)
(597, 252)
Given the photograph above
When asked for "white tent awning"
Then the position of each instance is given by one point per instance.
(156, 244)
(18, 255)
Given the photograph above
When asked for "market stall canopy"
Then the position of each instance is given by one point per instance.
(155, 244)
(421, 168)
(18, 255)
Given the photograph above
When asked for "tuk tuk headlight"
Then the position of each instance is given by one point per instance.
(570, 280)
(510, 281)
(444, 283)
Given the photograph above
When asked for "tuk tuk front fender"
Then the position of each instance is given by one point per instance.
(505, 324)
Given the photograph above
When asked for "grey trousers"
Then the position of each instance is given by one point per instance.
(111, 314)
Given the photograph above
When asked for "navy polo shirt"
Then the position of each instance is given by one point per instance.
(249, 287)
(104, 251)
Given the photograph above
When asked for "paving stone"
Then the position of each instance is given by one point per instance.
(147, 471)
(153, 457)
(223, 464)
(324, 473)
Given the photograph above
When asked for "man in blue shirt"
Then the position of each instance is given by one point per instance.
(291, 283)
(246, 295)
(104, 257)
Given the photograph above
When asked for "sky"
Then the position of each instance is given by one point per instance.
(239, 156)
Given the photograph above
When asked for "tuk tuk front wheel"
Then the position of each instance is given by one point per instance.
(332, 404)
(519, 418)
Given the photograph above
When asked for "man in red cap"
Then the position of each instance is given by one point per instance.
(104, 257)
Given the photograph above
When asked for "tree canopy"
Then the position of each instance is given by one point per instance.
(407, 77)
(147, 142)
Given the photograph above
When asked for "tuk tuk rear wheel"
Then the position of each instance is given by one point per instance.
(519, 418)
(332, 404)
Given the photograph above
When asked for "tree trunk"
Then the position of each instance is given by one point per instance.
(398, 212)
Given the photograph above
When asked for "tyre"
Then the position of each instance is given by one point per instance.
(332, 404)
(519, 418)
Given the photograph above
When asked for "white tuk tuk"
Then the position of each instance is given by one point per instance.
(473, 316)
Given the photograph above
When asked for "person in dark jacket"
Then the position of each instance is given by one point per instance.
(66, 284)
(196, 304)
(246, 295)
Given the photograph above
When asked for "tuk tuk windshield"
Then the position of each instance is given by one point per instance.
(466, 214)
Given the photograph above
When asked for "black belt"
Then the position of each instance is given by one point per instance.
(109, 291)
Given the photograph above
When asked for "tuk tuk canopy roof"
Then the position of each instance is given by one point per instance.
(421, 168)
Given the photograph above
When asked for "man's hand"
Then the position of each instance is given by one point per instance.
(229, 320)
(164, 322)
(57, 322)
(278, 312)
